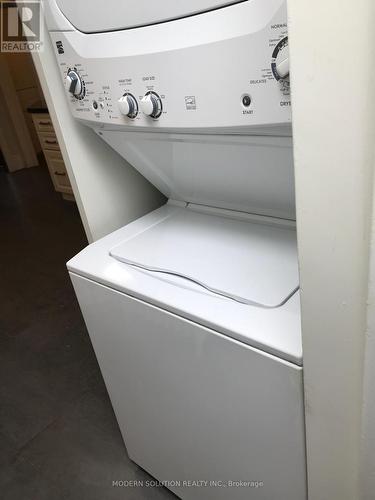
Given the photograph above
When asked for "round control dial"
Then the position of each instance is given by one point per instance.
(280, 59)
(151, 104)
(128, 105)
(74, 84)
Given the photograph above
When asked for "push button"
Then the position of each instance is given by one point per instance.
(246, 100)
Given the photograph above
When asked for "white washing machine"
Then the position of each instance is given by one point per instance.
(193, 310)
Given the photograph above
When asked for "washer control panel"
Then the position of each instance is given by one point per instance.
(205, 80)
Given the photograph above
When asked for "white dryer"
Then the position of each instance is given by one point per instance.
(193, 310)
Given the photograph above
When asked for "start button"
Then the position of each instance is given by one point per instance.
(246, 100)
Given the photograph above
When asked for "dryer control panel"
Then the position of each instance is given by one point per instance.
(227, 69)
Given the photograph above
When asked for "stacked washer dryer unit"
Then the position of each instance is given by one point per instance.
(193, 310)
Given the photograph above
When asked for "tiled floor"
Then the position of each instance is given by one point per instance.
(58, 435)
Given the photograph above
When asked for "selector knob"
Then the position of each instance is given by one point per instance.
(280, 60)
(128, 105)
(74, 84)
(151, 105)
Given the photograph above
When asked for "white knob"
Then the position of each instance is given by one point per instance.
(128, 105)
(123, 105)
(151, 105)
(282, 62)
(147, 105)
(74, 84)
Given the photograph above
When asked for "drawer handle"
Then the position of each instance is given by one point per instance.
(50, 142)
(45, 123)
(60, 173)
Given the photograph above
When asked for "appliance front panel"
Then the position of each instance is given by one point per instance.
(195, 405)
(122, 14)
(213, 71)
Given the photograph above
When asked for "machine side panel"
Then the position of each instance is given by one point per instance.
(193, 404)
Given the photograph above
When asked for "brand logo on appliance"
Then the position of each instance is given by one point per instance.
(60, 48)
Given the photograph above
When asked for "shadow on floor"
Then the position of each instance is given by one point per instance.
(59, 438)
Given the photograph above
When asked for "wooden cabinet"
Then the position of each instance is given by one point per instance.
(57, 170)
(48, 141)
(52, 153)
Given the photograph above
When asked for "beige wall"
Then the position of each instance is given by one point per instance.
(331, 47)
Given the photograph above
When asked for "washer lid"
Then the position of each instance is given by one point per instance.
(250, 262)
(98, 16)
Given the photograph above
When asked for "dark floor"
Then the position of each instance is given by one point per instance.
(58, 435)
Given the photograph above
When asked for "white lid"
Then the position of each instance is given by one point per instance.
(98, 16)
(276, 331)
(250, 262)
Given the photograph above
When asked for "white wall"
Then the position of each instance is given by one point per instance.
(332, 53)
(367, 477)
(108, 191)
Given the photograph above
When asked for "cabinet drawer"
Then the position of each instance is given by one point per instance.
(53, 155)
(61, 176)
(48, 140)
(58, 172)
(43, 122)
